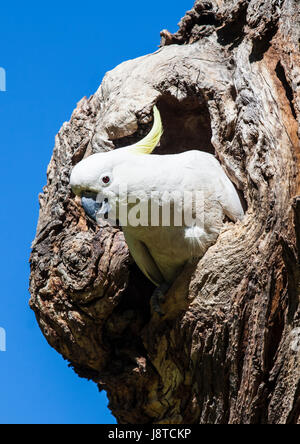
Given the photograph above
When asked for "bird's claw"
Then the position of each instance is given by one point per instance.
(158, 298)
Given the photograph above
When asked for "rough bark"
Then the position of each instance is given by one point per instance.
(226, 351)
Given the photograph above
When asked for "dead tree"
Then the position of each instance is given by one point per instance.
(227, 350)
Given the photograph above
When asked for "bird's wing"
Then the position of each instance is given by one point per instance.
(230, 200)
(209, 174)
(227, 195)
(143, 258)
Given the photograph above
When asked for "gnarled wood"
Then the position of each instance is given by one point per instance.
(226, 351)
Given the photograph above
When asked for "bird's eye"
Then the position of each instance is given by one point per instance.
(105, 179)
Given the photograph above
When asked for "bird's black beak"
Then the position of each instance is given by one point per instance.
(92, 207)
(90, 204)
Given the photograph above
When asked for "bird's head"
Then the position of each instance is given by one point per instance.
(95, 179)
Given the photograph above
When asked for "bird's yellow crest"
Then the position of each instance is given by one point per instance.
(148, 143)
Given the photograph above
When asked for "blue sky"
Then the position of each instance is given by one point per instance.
(54, 54)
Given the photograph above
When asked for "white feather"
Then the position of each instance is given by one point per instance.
(161, 251)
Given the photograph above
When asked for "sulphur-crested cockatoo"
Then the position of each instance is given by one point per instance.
(171, 207)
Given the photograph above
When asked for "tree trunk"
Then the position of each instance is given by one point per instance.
(228, 348)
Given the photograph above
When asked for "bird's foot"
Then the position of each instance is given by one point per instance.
(158, 298)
